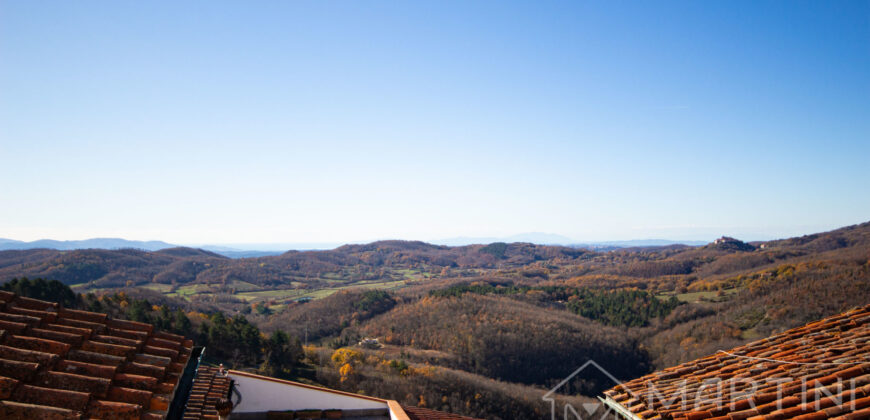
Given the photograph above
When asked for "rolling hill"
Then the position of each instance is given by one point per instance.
(409, 262)
(508, 318)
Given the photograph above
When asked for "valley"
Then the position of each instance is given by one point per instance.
(480, 330)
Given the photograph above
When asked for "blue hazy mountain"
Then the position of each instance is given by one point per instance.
(267, 249)
(553, 239)
(119, 243)
(532, 237)
(100, 243)
(640, 243)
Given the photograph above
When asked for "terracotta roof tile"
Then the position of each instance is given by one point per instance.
(73, 382)
(159, 403)
(135, 381)
(7, 385)
(15, 353)
(816, 371)
(114, 410)
(417, 413)
(209, 387)
(6, 296)
(24, 319)
(72, 400)
(120, 341)
(83, 315)
(152, 359)
(63, 337)
(84, 332)
(160, 351)
(166, 344)
(88, 369)
(35, 304)
(129, 395)
(175, 338)
(92, 326)
(16, 410)
(96, 358)
(38, 344)
(110, 349)
(15, 327)
(151, 416)
(46, 316)
(23, 371)
(144, 369)
(130, 325)
(136, 335)
(57, 363)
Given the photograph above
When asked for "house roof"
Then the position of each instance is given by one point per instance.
(209, 387)
(302, 385)
(817, 371)
(58, 363)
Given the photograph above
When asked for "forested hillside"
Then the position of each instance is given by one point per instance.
(480, 330)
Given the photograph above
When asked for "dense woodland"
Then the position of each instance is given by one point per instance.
(480, 330)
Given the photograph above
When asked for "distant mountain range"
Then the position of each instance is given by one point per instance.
(553, 239)
(390, 261)
(533, 237)
(95, 243)
(637, 243)
(263, 250)
(119, 243)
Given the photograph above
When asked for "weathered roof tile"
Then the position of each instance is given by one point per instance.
(57, 363)
(129, 395)
(808, 363)
(94, 357)
(15, 353)
(83, 315)
(88, 369)
(129, 380)
(114, 410)
(23, 371)
(110, 349)
(418, 413)
(42, 315)
(16, 410)
(130, 325)
(70, 381)
(63, 337)
(35, 304)
(72, 400)
(7, 385)
(38, 344)
(6, 296)
(14, 327)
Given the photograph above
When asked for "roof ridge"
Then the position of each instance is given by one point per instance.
(764, 379)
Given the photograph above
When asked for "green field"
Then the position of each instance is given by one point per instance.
(158, 287)
(294, 288)
(252, 293)
(190, 289)
(692, 297)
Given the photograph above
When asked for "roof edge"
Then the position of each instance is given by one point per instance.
(396, 411)
(619, 408)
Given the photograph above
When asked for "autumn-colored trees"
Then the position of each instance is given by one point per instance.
(509, 340)
(330, 315)
(621, 307)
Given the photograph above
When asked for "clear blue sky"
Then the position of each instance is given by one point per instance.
(228, 122)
